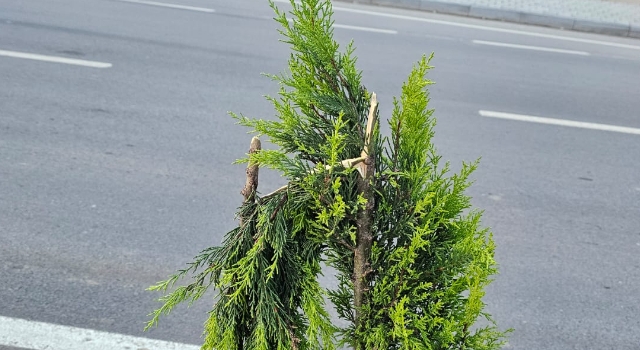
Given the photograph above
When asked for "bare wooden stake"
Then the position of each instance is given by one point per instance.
(364, 240)
(371, 121)
(251, 185)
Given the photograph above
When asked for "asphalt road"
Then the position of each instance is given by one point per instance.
(112, 178)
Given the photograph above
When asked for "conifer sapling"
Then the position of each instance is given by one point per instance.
(411, 257)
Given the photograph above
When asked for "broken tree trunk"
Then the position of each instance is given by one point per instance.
(251, 185)
(364, 241)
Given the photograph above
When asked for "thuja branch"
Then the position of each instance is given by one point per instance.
(346, 164)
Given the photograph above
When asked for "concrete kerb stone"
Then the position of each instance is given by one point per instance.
(495, 14)
(601, 28)
(440, 7)
(408, 4)
(546, 21)
(510, 16)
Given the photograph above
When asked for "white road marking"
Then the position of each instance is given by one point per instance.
(527, 47)
(55, 59)
(486, 28)
(173, 6)
(366, 29)
(45, 336)
(560, 122)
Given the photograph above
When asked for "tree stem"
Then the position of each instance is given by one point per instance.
(249, 194)
(364, 241)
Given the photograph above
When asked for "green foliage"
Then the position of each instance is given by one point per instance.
(430, 257)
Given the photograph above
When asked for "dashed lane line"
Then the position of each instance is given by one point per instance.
(169, 5)
(54, 59)
(560, 122)
(366, 29)
(528, 47)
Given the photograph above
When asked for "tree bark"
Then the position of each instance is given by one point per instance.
(364, 240)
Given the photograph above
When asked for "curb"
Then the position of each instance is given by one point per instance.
(615, 29)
